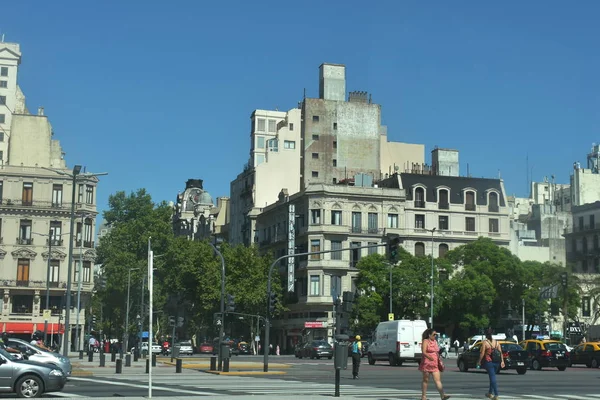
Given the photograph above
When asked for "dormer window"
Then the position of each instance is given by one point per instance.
(493, 202)
(443, 202)
(470, 201)
(419, 197)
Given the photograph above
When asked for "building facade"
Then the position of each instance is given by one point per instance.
(35, 193)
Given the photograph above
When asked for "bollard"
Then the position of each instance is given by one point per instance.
(128, 360)
(102, 360)
(147, 365)
(113, 356)
(178, 365)
(213, 363)
(154, 360)
(91, 356)
(81, 354)
(119, 366)
(135, 356)
(226, 365)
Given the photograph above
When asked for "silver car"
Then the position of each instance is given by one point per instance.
(35, 353)
(28, 379)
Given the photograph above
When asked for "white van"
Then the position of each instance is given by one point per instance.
(397, 341)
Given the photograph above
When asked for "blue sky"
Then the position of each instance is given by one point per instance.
(157, 92)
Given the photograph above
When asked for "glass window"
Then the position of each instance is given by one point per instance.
(392, 221)
(89, 194)
(355, 253)
(23, 272)
(57, 192)
(80, 193)
(3, 71)
(443, 203)
(2, 100)
(315, 137)
(260, 158)
(493, 205)
(336, 245)
(372, 221)
(315, 118)
(419, 249)
(54, 273)
(470, 201)
(336, 286)
(260, 142)
(3, 84)
(373, 249)
(470, 224)
(443, 223)
(272, 126)
(27, 197)
(291, 127)
(315, 217)
(260, 125)
(315, 283)
(289, 144)
(273, 145)
(315, 174)
(2, 118)
(442, 250)
(336, 217)
(420, 221)
(315, 156)
(494, 228)
(356, 222)
(315, 245)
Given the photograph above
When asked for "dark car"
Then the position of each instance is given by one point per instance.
(317, 349)
(514, 358)
(546, 354)
(587, 354)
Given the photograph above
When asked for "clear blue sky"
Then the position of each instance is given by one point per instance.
(156, 92)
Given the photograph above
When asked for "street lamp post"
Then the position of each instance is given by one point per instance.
(222, 327)
(79, 270)
(431, 299)
(73, 175)
(126, 341)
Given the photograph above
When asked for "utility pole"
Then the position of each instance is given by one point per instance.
(565, 283)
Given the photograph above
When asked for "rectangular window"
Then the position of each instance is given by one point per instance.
(260, 124)
(420, 221)
(372, 220)
(335, 163)
(315, 217)
(392, 221)
(335, 125)
(272, 126)
(315, 156)
(586, 307)
(470, 224)
(494, 228)
(373, 249)
(592, 221)
(2, 118)
(2, 100)
(78, 234)
(80, 193)
(87, 271)
(3, 71)
(27, 196)
(315, 174)
(23, 272)
(260, 142)
(3, 84)
(291, 127)
(336, 286)
(315, 245)
(54, 273)
(289, 144)
(55, 233)
(260, 158)
(315, 118)
(1, 136)
(315, 137)
(355, 253)
(356, 222)
(87, 233)
(580, 221)
(315, 289)
(443, 223)
(1, 191)
(25, 232)
(470, 201)
(335, 144)
(89, 194)
(57, 194)
(336, 217)
(273, 145)
(336, 245)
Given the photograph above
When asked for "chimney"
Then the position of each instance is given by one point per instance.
(40, 111)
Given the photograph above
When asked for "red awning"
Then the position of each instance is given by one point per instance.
(29, 327)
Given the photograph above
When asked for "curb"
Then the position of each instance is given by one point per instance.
(236, 365)
(81, 373)
(242, 373)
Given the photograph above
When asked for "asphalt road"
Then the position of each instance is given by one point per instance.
(316, 377)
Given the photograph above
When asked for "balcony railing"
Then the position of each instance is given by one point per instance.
(582, 228)
(32, 284)
(55, 242)
(470, 207)
(419, 204)
(11, 203)
(493, 208)
(24, 241)
(88, 243)
(443, 205)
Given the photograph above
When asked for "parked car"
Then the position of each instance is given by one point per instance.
(298, 350)
(37, 354)
(29, 379)
(206, 348)
(587, 354)
(185, 348)
(546, 354)
(156, 348)
(317, 349)
(515, 357)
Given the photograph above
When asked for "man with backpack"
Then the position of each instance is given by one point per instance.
(356, 355)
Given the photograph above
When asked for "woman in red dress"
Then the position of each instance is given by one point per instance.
(430, 364)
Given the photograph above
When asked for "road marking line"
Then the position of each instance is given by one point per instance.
(198, 393)
(571, 396)
(63, 394)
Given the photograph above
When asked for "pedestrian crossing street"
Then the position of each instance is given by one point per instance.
(242, 385)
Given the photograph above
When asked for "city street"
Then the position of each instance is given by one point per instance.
(316, 378)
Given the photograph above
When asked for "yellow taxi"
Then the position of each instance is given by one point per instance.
(543, 353)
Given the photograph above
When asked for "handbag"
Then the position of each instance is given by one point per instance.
(441, 366)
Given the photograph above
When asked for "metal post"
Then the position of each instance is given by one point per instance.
(142, 315)
(391, 266)
(67, 334)
(431, 306)
(150, 305)
(79, 269)
(523, 326)
(48, 285)
(222, 328)
(126, 341)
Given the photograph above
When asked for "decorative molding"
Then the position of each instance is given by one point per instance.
(23, 253)
(89, 255)
(2, 254)
(56, 255)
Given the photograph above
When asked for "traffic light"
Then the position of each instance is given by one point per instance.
(230, 303)
(348, 298)
(564, 278)
(171, 320)
(272, 302)
(179, 322)
(93, 320)
(393, 248)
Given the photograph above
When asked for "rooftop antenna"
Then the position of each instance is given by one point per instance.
(3, 38)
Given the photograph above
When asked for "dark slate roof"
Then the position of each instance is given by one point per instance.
(455, 183)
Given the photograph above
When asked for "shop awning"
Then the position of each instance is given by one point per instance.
(30, 327)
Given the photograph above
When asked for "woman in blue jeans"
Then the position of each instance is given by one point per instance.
(485, 356)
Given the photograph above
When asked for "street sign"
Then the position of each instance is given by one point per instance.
(390, 316)
(47, 314)
(549, 292)
(257, 338)
(291, 246)
(218, 322)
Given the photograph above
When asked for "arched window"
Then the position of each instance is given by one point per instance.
(493, 202)
(420, 197)
(470, 201)
(443, 202)
(442, 250)
(419, 249)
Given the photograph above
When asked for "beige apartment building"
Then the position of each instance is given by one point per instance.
(35, 204)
